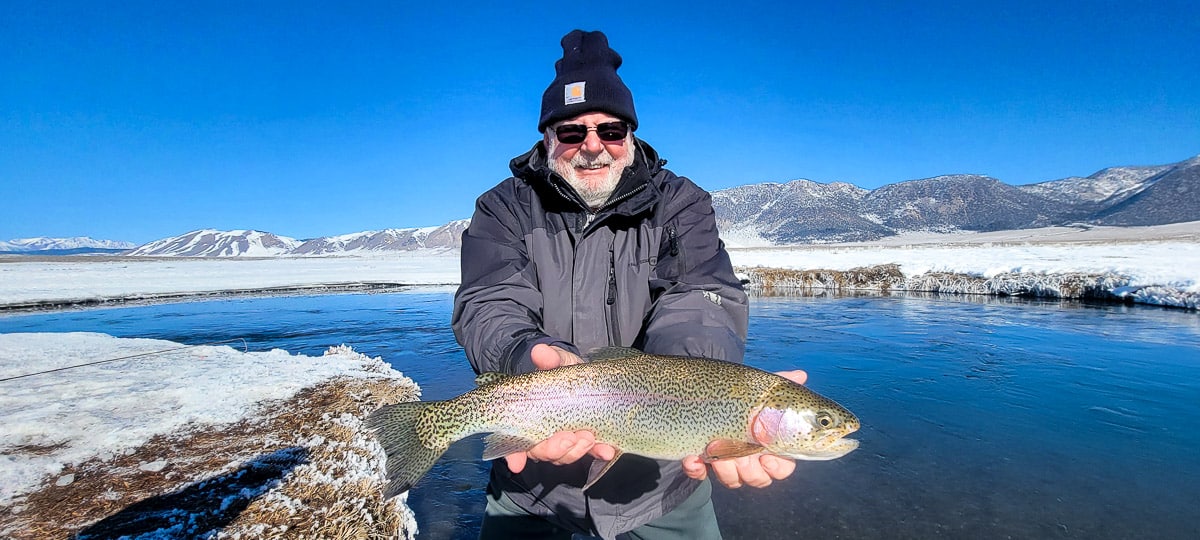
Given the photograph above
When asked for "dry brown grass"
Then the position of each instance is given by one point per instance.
(887, 278)
(883, 278)
(302, 468)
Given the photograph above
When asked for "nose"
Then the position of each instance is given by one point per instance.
(592, 143)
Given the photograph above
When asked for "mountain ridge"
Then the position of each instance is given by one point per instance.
(74, 244)
(1117, 196)
(800, 211)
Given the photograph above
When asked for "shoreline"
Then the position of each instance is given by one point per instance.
(1157, 265)
(758, 281)
(166, 298)
(295, 460)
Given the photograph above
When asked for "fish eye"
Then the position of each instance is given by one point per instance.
(825, 420)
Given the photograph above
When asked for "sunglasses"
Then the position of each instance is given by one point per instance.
(576, 133)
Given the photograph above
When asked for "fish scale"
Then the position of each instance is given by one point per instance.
(662, 407)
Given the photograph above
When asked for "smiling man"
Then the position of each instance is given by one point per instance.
(591, 165)
(593, 243)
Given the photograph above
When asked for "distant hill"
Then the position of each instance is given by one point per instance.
(445, 236)
(1168, 196)
(214, 243)
(247, 243)
(64, 246)
(796, 212)
(803, 211)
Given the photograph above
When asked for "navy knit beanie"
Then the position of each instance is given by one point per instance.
(586, 81)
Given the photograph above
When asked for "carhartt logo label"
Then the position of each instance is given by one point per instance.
(574, 93)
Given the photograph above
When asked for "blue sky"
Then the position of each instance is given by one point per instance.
(140, 120)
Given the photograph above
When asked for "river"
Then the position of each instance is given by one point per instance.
(982, 417)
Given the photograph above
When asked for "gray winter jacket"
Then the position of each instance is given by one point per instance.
(646, 270)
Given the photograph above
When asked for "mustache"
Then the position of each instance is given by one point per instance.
(588, 162)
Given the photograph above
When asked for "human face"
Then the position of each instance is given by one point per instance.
(593, 167)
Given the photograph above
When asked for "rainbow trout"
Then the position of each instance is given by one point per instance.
(662, 407)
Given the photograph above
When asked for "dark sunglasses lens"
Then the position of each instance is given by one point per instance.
(612, 131)
(571, 133)
(577, 133)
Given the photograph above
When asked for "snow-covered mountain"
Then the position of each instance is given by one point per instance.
(1097, 187)
(809, 212)
(78, 244)
(242, 243)
(1169, 196)
(800, 211)
(214, 243)
(444, 236)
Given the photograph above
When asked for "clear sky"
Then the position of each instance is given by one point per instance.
(141, 120)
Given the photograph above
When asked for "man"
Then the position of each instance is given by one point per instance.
(593, 243)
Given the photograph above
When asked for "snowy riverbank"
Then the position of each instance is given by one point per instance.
(184, 440)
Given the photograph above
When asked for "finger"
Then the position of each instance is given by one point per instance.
(695, 468)
(554, 447)
(751, 472)
(777, 467)
(544, 357)
(567, 358)
(576, 451)
(798, 376)
(725, 470)
(603, 451)
(516, 461)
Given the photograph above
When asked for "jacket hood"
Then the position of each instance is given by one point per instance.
(532, 167)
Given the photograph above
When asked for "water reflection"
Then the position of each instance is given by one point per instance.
(982, 417)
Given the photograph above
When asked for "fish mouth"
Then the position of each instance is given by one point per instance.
(831, 446)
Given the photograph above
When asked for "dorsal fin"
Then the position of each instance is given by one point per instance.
(490, 377)
(612, 353)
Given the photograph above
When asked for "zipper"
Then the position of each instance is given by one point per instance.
(622, 198)
(672, 240)
(591, 216)
(612, 277)
(614, 321)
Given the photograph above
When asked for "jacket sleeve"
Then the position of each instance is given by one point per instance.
(699, 307)
(498, 308)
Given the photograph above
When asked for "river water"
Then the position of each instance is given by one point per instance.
(982, 417)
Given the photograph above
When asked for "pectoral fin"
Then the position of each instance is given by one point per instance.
(729, 448)
(599, 468)
(498, 445)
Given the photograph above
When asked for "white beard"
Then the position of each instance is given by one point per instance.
(594, 192)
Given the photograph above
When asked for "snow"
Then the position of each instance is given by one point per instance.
(64, 280)
(1148, 265)
(150, 387)
(1162, 256)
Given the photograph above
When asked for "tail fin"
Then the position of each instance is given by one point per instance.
(408, 459)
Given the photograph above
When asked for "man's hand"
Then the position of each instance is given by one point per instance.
(758, 470)
(565, 446)
(549, 357)
(560, 449)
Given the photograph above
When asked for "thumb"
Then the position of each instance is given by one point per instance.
(797, 376)
(545, 357)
